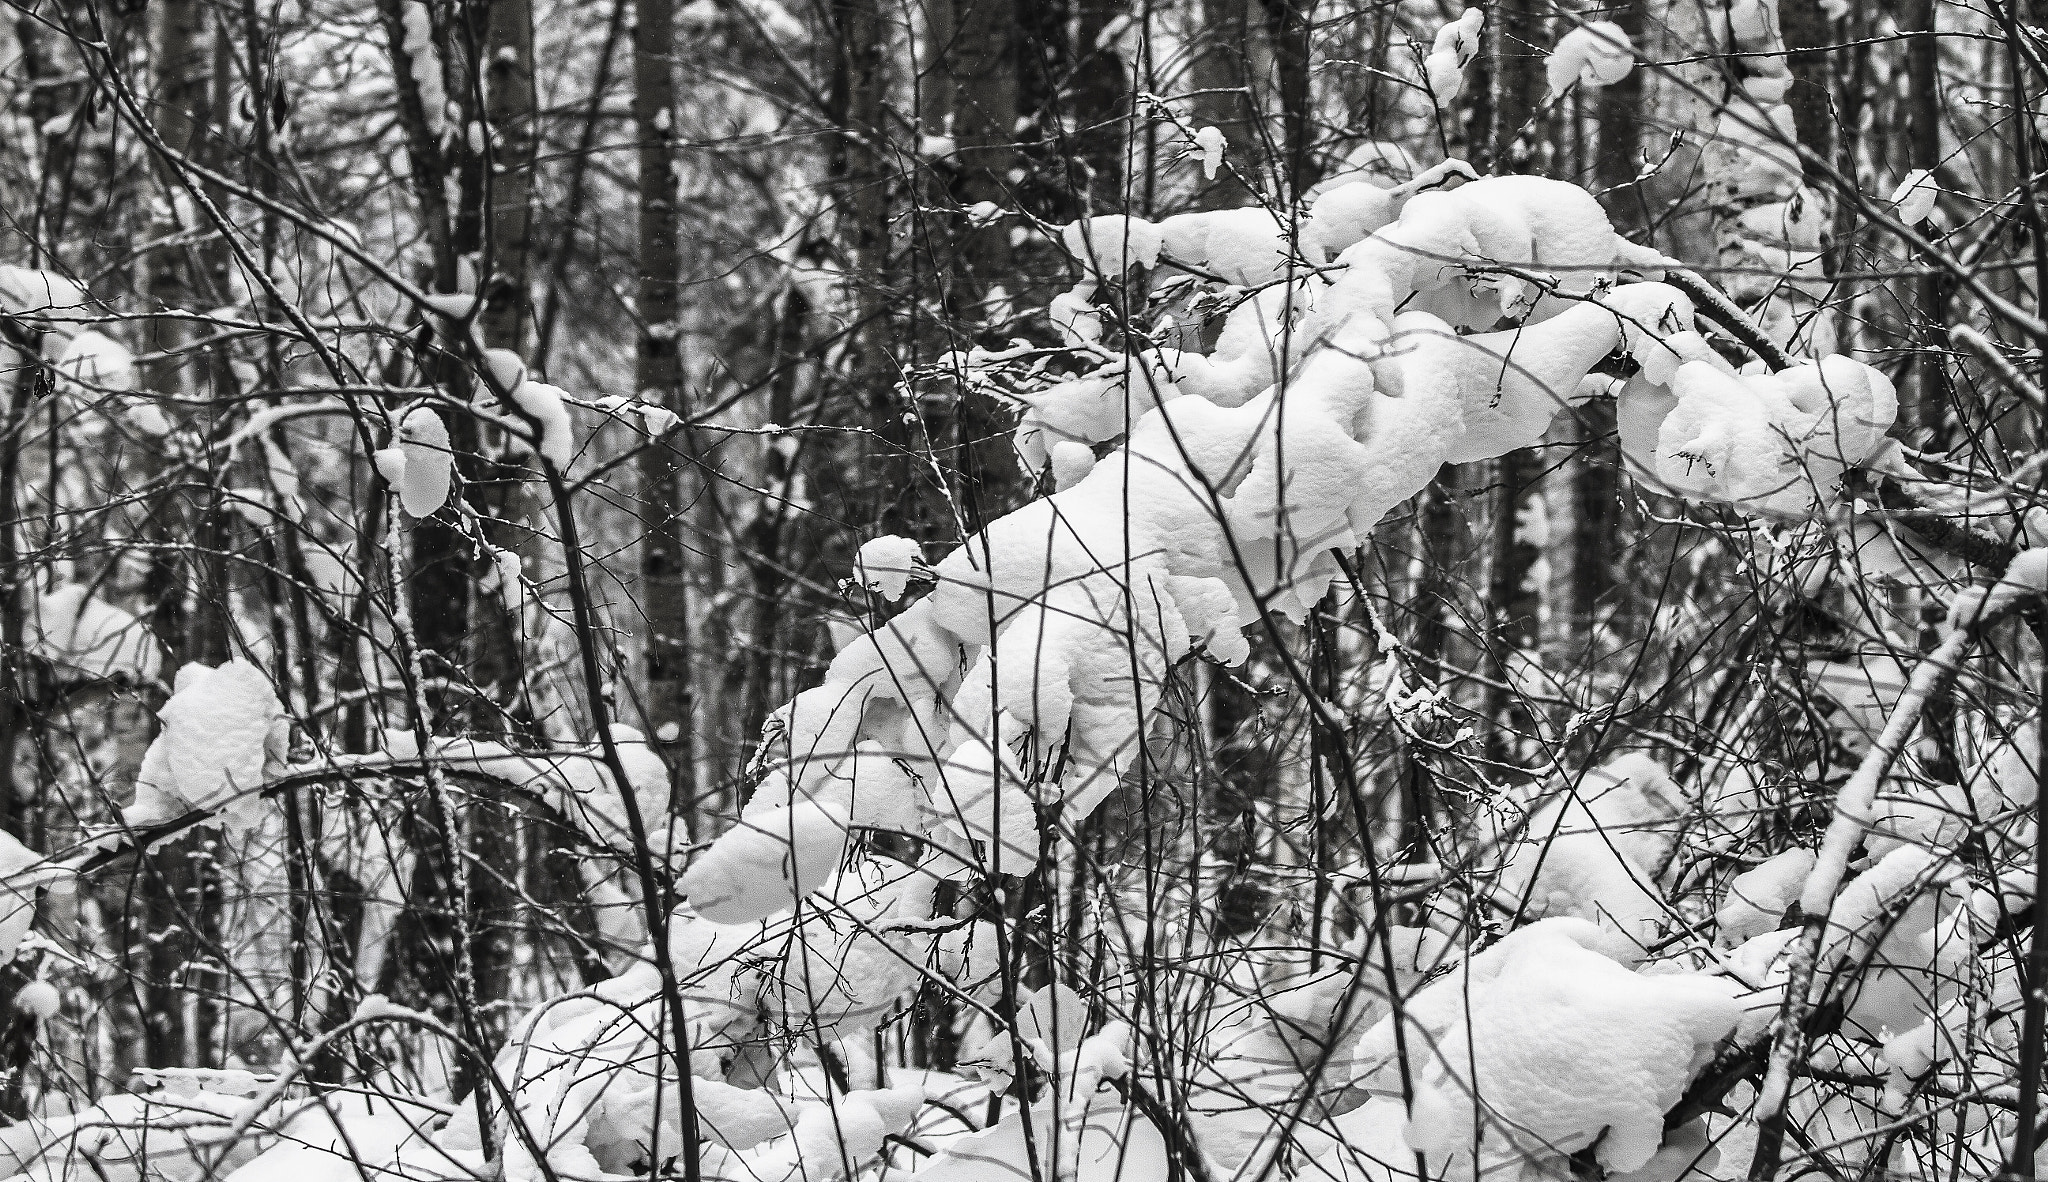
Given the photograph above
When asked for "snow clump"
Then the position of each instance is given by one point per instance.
(1567, 1047)
(1592, 55)
(224, 732)
(426, 475)
(1457, 43)
(885, 565)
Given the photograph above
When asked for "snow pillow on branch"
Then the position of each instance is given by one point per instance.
(43, 294)
(1594, 55)
(766, 864)
(94, 363)
(1109, 245)
(1542, 1045)
(429, 462)
(546, 406)
(1209, 145)
(22, 872)
(224, 735)
(887, 564)
(1772, 443)
(78, 631)
(1457, 43)
(1914, 199)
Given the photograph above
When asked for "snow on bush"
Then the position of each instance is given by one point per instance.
(1048, 637)
(1456, 44)
(83, 634)
(1542, 1045)
(429, 462)
(1590, 55)
(223, 738)
(1205, 478)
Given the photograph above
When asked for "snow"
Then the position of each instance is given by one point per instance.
(549, 408)
(390, 463)
(339, 1138)
(93, 363)
(844, 977)
(2025, 578)
(459, 305)
(504, 577)
(1090, 409)
(1566, 1047)
(1772, 443)
(885, 565)
(1055, 628)
(426, 475)
(177, 1134)
(39, 998)
(1245, 246)
(1456, 44)
(45, 294)
(825, 1141)
(766, 864)
(1209, 144)
(21, 873)
(1591, 55)
(148, 418)
(1111, 244)
(1593, 852)
(223, 728)
(83, 634)
(1223, 409)
(1757, 898)
(1081, 1129)
(1913, 201)
(1075, 317)
(657, 420)
(426, 66)
(1343, 214)
(591, 794)
(1071, 463)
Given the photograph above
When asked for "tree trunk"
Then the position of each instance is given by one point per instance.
(1220, 78)
(1511, 93)
(493, 825)
(1927, 392)
(1596, 476)
(1289, 25)
(177, 890)
(20, 371)
(1804, 26)
(1100, 97)
(658, 376)
(971, 93)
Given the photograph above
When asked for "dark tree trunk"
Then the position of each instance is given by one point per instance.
(658, 376)
(1513, 81)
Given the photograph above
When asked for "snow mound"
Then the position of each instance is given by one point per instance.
(429, 467)
(1542, 1045)
(223, 729)
(885, 565)
(1591, 55)
(764, 865)
(76, 630)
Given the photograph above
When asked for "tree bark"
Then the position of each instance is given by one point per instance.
(177, 887)
(493, 825)
(1289, 24)
(1514, 597)
(971, 93)
(1220, 78)
(1928, 392)
(1596, 475)
(658, 377)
